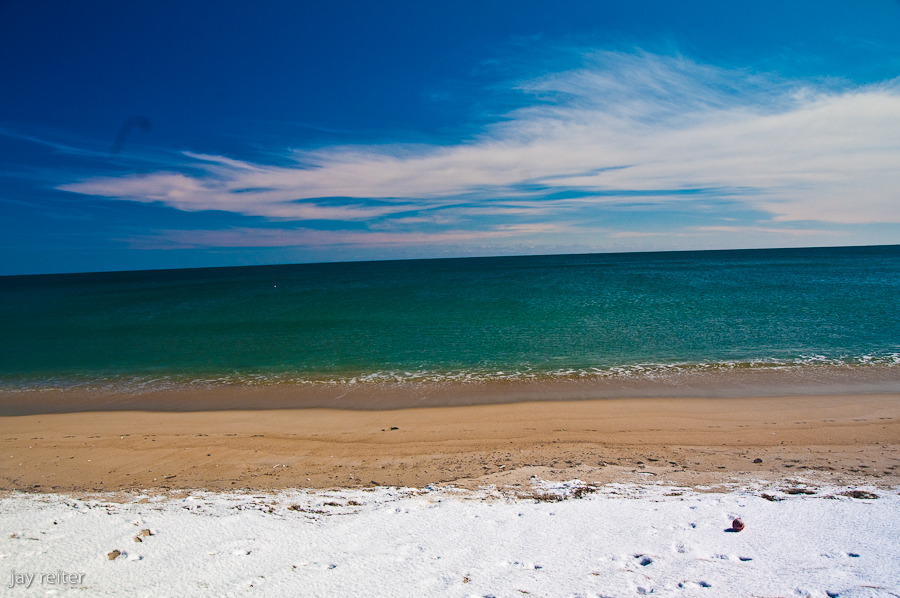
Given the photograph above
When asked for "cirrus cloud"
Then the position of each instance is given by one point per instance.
(666, 130)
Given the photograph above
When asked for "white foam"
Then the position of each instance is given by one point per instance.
(671, 373)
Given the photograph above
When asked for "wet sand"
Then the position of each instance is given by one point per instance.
(688, 383)
(698, 442)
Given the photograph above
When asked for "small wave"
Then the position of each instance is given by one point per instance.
(662, 372)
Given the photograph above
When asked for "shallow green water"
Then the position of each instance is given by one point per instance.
(479, 318)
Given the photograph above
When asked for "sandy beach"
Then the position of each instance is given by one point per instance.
(618, 497)
(837, 440)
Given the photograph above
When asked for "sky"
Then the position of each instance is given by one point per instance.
(192, 134)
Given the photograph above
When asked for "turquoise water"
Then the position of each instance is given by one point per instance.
(450, 319)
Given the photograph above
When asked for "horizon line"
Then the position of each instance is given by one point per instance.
(480, 257)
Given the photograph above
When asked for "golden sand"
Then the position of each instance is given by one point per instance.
(827, 439)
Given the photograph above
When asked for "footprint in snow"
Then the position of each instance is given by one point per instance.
(689, 584)
(319, 566)
(521, 565)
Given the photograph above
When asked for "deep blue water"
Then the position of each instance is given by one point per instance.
(504, 317)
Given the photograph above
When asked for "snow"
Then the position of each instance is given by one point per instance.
(614, 540)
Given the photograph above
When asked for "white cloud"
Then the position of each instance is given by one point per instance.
(306, 237)
(224, 189)
(796, 232)
(622, 123)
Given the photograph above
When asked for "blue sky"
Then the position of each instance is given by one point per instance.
(186, 134)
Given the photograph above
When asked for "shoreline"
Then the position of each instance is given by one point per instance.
(715, 383)
(695, 442)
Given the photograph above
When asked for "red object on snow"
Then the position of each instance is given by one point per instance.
(737, 525)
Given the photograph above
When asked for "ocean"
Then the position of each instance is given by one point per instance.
(650, 316)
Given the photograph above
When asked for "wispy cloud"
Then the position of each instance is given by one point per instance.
(802, 232)
(57, 146)
(307, 237)
(666, 130)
